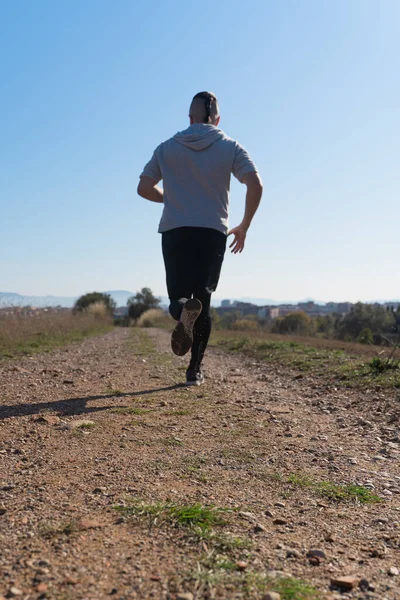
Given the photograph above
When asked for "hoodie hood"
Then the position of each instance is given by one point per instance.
(199, 136)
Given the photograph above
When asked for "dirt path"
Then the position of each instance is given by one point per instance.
(271, 448)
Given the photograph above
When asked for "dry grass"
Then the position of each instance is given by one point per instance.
(341, 363)
(47, 330)
(359, 350)
(155, 317)
(98, 310)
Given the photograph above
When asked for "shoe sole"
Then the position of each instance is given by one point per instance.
(182, 336)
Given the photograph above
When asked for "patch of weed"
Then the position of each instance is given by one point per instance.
(113, 392)
(172, 441)
(196, 517)
(294, 589)
(347, 493)
(184, 412)
(49, 531)
(379, 365)
(224, 542)
(334, 491)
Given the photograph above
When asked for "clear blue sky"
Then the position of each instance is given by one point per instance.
(311, 88)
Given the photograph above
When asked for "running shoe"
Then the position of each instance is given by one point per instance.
(182, 336)
(194, 376)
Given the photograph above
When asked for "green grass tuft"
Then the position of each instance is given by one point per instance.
(294, 589)
(347, 493)
(195, 517)
(334, 491)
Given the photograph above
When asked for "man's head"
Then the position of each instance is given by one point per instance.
(204, 109)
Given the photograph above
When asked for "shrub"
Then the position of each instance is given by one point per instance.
(245, 325)
(366, 336)
(98, 310)
(141, 302)
(155, 317)
(380, 365)
(376, 318)
(294, 323)
(87, 300)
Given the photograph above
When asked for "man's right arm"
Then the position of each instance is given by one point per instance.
(148, 189)
(149, 178)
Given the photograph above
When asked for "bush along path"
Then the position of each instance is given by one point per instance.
(117, 482)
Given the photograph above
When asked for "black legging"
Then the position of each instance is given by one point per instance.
(193, 259)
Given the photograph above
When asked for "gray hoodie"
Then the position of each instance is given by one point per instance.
(195, 166)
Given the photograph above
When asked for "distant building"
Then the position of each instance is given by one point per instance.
(274, 312)
(243, 308)
(286, 309)
(225, 303)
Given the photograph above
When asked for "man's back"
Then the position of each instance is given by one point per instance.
(196, 166)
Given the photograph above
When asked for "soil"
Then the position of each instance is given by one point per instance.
(254, 439)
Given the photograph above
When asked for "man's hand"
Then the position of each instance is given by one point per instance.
(239, 234)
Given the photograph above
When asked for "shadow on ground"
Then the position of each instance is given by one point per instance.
(74, 406)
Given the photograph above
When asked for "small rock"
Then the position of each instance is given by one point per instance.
(393, 571)
(292, 554)
(241, 565)
(42, 587)
(48, 419)
(258, 528)
(315, 561)
(44, 563)
(272, 596)
(378, 552)
(3, 511)
(278, 574)
(100, 490)
(68, 381)
(280, 504)
(185, 596)
(280, 522)
(246, 515)
(364, 585)
(380, 520)
(316, 554)
(346, 583)
(268, 513)
(163, 403)
(14, 591)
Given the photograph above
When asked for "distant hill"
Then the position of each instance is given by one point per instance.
(12, 299)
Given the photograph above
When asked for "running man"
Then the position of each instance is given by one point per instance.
(195, 166)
